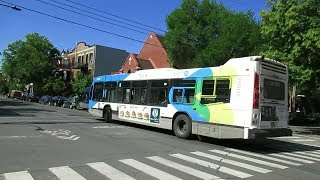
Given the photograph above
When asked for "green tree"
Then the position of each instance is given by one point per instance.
(30, 60)
(205, 33)
(81, 82)
(54, 86)
(292, 33)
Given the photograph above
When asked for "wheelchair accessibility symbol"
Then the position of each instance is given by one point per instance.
(155, 115)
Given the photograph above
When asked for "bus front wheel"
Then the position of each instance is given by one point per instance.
(107, 115)
(182, 126)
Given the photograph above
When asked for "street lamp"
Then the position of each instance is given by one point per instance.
(12, 7)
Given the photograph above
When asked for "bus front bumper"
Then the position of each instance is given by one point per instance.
(264, 133)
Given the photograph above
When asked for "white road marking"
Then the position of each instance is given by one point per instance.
(287, 137)
(303, 140)
(265, 157)
(17, 137)
(292, 158)
(109, 171)
(185, 169)
(301, 156)
(66, 173)
(21, 175)
(149, 170)
(232, 162)
(311, 137)
(223, 169)
(266, 163)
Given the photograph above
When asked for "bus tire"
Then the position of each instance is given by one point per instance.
(107, 114)
(182, 126)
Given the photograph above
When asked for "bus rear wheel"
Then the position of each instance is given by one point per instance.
(107, 115)
(182, 126)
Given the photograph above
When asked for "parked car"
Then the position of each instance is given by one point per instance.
(15, 94)
(56, 101)
(33, 97)
(83, 103)
(70, 102)
(45, 99)
(313, 118)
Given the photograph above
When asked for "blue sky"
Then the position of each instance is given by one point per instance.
(16, 24)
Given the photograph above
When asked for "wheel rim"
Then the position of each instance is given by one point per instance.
(182, 127)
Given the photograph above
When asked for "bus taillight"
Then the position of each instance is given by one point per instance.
(256, 92)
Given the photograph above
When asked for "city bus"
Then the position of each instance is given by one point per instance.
(245, 98)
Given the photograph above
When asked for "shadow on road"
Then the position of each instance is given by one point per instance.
(309, 131)
(20, 111)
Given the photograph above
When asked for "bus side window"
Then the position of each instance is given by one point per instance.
(223, 91)
(177, 95)
(188, 96)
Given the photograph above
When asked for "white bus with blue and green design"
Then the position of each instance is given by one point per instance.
(245, 98)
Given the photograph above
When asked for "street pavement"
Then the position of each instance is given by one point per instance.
(43, 142)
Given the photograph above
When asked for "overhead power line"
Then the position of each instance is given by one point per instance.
(82, 14)
(114, 15)
(79, 24)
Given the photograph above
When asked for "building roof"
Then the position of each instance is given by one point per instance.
(145, 64)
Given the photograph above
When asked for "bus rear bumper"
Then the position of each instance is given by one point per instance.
(264, 133)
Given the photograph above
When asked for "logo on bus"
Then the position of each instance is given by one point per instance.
(155, 115)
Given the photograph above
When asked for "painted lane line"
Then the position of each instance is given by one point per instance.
(21, 175)
(266, 163)
(66, 173)
(183, 168)
(303, 140)
(265, 157)
(292, 158)
(109, 171)
(223, 169)
(149, 170)
(235, 163)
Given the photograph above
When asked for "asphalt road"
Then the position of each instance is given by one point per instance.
(46, 142)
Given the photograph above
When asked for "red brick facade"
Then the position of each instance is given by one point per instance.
(152, 55)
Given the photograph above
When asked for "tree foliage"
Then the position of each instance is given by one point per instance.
(205, 33)
(292, 31)
(54, 86)
(81, 82)
(30, 60)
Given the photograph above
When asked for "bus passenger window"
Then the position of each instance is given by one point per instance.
(223, 91)
(188, 96)
(177, 95)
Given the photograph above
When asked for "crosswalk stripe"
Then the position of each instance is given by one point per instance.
(302, 136)
(287, 137)
(235, 163)
(292, 158)
(66, 173)
(109, 171)
(265, 157)
(312, 145)
(301, 156)
(250, 159)
(223, 169)
(300, 148)
(148, 169)
(304, 140)
(309, 154)
(183, 168)
(18, 175)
